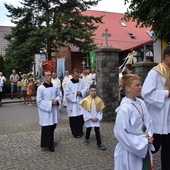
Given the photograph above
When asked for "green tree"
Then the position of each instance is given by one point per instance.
(47, 25)
(1, 64)
(154, 13)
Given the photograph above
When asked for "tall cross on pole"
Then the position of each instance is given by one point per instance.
(106, 34)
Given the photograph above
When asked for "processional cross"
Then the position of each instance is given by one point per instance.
(83, 63)
(106, 34)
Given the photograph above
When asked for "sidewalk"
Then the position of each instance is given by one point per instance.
(15, 100)
(20, 143)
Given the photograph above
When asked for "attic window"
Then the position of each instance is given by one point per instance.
(123, 24)
(132, 35)
(150, 33)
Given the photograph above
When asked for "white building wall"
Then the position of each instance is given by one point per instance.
(3, 43)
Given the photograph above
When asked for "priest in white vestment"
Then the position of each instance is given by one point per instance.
(65, 80)
(156, 94)
(86, 78)
(92, 75)
(56, 80)
(49, 99)
(133, 129)
(75, 90)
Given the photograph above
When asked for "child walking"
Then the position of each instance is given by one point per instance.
(24, 87)
(133, 129)
(29, 91)
(92, 108)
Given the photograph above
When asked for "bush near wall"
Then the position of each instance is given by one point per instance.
(7, 86)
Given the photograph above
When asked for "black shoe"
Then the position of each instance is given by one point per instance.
(51, 149)
(76, 136)
(11, 97)
(18, 97)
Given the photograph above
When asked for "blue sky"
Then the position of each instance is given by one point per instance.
(103, 5)
(4, 20)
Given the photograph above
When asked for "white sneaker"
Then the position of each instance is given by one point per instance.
(29, 104)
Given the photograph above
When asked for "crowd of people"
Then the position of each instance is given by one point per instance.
(21, 86)
(142, 124)
(75, 89)
(24, 86)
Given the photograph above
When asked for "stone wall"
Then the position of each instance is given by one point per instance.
(107, 72)
(142, 69)
(107, 63)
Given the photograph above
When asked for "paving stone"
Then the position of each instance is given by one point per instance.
(20, 144)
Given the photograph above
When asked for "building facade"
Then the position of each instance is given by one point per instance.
(3, 43)
(123, 35)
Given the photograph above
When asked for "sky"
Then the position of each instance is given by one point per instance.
(103, 5)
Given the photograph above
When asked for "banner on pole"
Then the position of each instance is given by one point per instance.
(48, 65)
(60, 68)
(92, 59)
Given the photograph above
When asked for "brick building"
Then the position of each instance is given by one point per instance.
(124, 36)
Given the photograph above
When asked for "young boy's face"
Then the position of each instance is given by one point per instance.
(47, 76)
(93, 92)
(135, 88)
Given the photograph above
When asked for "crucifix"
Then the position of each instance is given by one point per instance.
(83, 63)
(106, 34)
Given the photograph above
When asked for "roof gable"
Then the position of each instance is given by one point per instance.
(122, 37)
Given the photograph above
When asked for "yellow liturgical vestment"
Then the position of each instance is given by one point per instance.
(165, 71)
(87, 103)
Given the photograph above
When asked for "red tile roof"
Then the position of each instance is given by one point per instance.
(120, 37)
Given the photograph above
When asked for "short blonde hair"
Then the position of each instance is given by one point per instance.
(24, 75)
(127, 80)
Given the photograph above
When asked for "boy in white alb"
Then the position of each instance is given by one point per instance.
(133, 129)
(92, 109)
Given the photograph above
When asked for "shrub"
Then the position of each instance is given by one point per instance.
(7, 86)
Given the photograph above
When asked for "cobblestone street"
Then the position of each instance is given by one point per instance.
(20, 144)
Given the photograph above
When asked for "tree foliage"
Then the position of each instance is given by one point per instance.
(1, 64)
(46, 25)
(154, 13)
